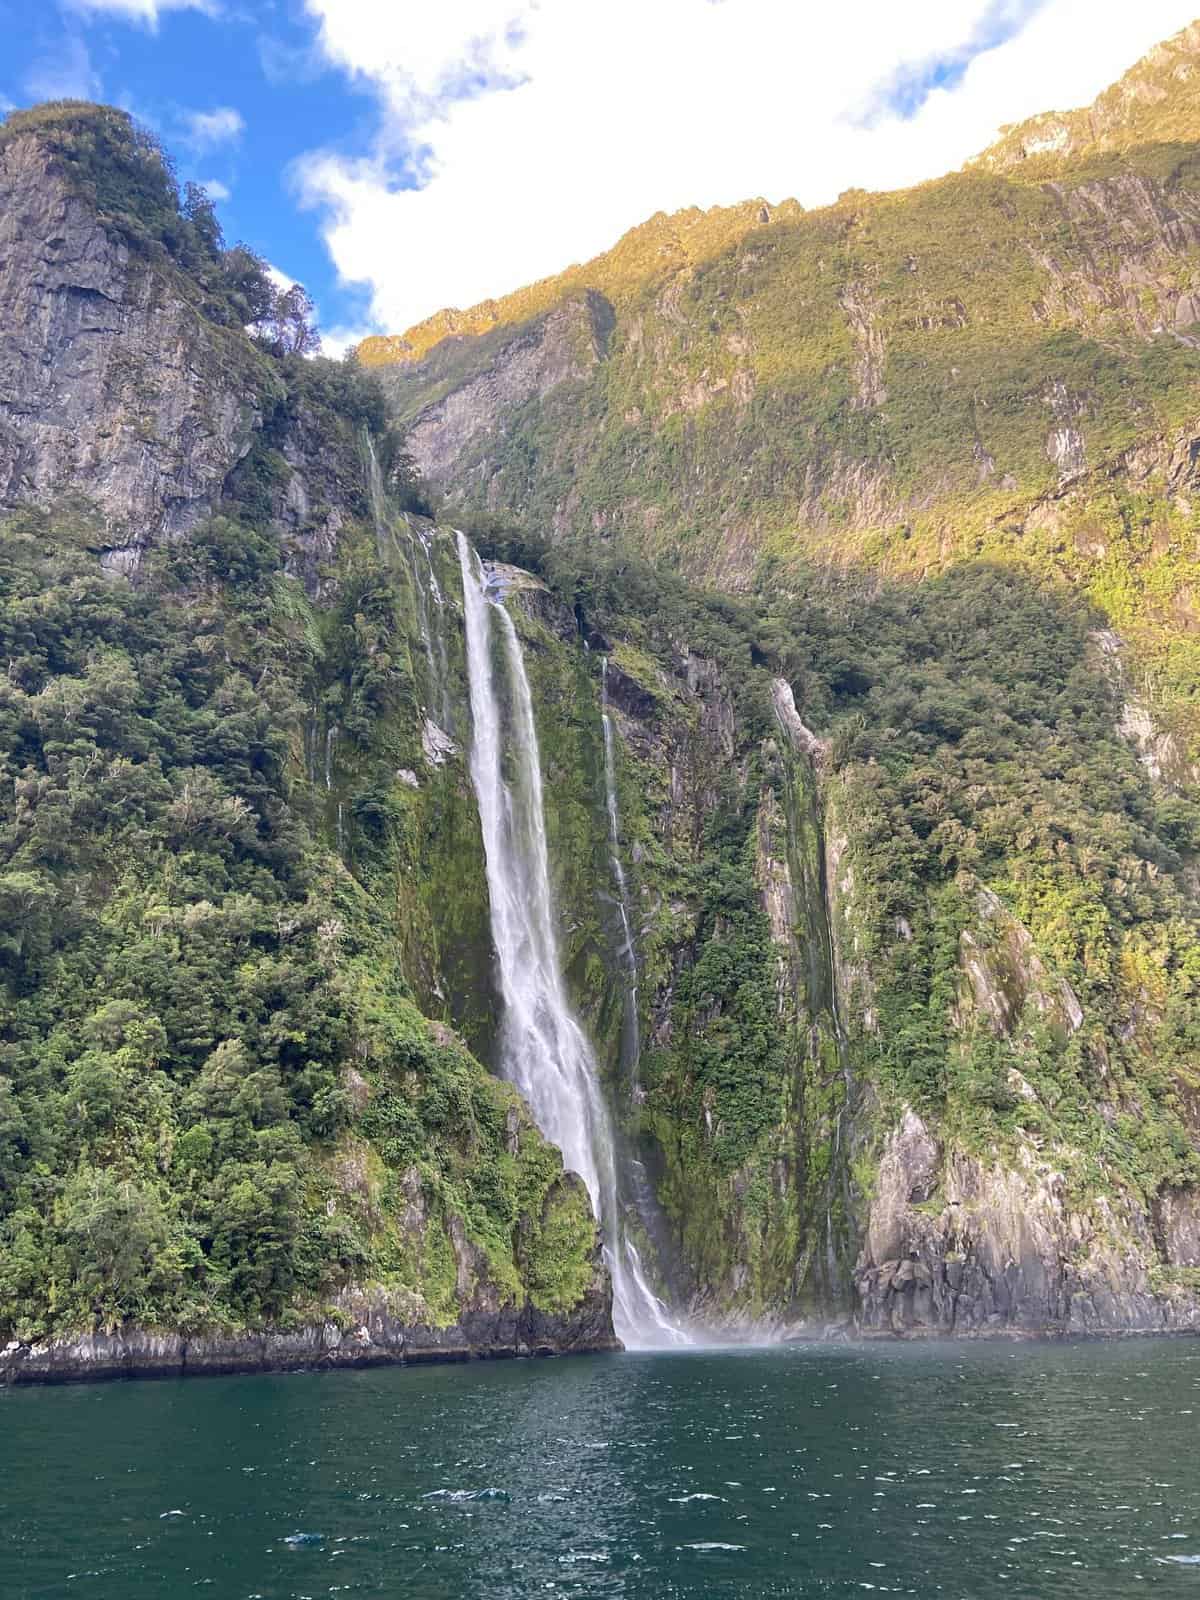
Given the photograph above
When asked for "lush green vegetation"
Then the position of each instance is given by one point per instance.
(218, 1100)
(971, 720)
(237, 879)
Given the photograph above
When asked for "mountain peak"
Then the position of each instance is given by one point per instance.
(1156, 102)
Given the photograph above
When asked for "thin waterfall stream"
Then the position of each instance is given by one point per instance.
(417, 554)
(631, 1043)
(544, 1050)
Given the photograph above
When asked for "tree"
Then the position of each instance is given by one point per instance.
(287, 329)
(247, 286)
(200, 212)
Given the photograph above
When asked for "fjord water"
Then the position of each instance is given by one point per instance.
(544, 1049)
(973, 1472)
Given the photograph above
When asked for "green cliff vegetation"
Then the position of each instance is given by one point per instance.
(222, 1101)
(218, 1100)
(1002, 363)
(933, 455)
(969, 723)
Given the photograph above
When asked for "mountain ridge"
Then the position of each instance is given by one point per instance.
(1053, 134)
(986, 363)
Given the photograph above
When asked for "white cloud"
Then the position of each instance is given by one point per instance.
(204, 130)
(282, 280)
(537, 131)
(216, 190)
(67, 74)
(336, 341)
(146, 12)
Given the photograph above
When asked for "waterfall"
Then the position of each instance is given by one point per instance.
(543, 1049)
(331, 736)
(631, 1043)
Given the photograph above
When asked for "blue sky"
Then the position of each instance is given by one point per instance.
(261, 63)
(398, 156)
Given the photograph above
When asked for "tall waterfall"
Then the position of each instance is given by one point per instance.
(544, 1050)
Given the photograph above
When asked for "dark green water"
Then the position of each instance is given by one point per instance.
(966, 1472)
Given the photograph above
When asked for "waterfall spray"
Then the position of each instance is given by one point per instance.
(543, 1049)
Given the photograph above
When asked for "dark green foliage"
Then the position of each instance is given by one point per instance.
(170, 1039)
(183, 984)
(972, 727)
(728, 1057)
(327, 408)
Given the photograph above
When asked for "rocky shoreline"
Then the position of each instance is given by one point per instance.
(367, 1333)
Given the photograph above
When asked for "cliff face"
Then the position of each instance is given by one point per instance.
(895, 989)
(113, 388)
(230, 1137)
(914, 925)
(795, 984)
(123, 394)
(962, 1246)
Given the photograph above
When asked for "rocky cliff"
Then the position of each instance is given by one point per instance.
(862, 1069)
(128, 387)
(230, 1138)
(115, 388)
(945, 444)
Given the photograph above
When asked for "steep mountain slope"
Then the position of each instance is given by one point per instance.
(228, 1135)
(1005, 361)
(876, 890)
(964, 826)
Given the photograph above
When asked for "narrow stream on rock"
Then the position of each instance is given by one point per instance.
(394, 534)
(544, 1050)
(631, 1043)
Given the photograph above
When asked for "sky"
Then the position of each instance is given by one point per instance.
(399, 156)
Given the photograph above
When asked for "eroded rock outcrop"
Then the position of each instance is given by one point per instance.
(113, 387)
(962, 1245)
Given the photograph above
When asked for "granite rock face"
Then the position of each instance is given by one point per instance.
(113, 388)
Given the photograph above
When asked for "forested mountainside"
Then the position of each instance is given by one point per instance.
(1002, 363)
(873, 878)
(228, 1134)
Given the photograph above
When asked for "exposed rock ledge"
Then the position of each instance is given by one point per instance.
(370, 1331)
(960, 1247)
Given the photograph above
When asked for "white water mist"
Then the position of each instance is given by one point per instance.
(543, 1049)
